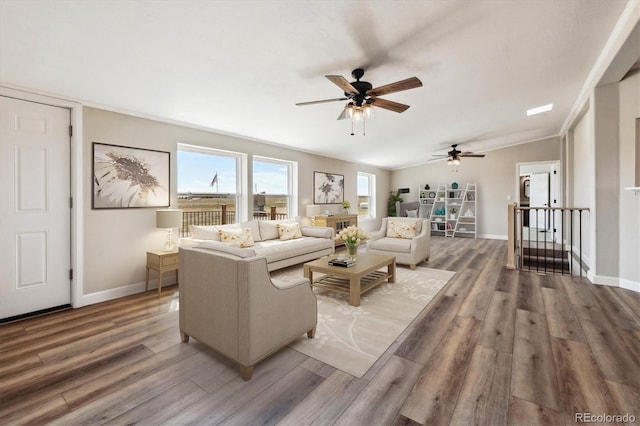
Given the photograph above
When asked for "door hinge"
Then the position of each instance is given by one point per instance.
(70, 202)
(70, 274)
(70, 130)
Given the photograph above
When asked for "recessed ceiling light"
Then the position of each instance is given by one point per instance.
(539, 110)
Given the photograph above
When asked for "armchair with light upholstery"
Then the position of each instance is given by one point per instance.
(408, 209)
(229, 302)
(408, 239)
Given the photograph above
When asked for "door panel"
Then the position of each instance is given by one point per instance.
(34, 207)
(539, 190)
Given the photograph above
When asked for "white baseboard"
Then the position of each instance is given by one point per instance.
(115, 293)
(630, 285)
(493, 237)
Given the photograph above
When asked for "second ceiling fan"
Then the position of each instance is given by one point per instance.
(454, 155)
(362, 95)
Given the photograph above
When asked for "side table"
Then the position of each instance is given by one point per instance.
(161, 261)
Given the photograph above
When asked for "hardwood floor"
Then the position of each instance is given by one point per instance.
(494, 347)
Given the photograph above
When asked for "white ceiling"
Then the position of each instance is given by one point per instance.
(239, 67)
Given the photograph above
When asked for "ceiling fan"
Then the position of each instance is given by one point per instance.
(362, 96)
(454, 155)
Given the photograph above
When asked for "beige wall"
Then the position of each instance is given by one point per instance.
(115, 241)
(629, 226)
(495, 175)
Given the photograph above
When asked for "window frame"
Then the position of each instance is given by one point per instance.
(292, 181)
(371, 186)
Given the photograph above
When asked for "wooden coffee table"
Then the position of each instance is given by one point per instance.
(355, 280)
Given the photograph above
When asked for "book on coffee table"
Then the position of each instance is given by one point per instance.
(345, 263)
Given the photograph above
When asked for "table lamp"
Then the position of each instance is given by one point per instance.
(169, 219)
(313, 210)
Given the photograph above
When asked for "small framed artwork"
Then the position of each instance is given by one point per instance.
(126, 177)
(328, 188)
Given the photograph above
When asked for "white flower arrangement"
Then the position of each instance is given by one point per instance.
(352, 235)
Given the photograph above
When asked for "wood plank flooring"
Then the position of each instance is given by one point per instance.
(494, 347)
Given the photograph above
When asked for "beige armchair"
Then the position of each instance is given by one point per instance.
(229, 302)
(395, 239)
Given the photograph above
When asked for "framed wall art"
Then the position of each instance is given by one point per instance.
(126, 177)
(328, 188)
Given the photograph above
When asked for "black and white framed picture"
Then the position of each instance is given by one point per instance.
(328, 188)
(126, 177)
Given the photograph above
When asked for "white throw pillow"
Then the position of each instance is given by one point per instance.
(255, 229)
(412, 213)
(199, 232)
(401, 229)
(237, 237)
(269, 228)
(289, 231)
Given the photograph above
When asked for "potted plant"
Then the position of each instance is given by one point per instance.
(452, 213)
(346, 205)
(391, 204)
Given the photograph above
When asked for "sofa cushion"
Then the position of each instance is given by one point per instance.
(275, 250)
(398, 245)
(269, 228)
(237, 237)
(226, 248)
(204, 232)
(401, 229)
(412, 213)
(255, 229)
(210, 232)
(288, 231)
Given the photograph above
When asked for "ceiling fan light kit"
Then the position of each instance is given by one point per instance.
(454, 156)
(363, 97)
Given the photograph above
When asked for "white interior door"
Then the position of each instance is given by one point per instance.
(35, 213)
(539, 197)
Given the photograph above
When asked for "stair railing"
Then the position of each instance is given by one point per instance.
(551, 243)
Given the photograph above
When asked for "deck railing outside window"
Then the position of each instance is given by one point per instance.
(221, 216)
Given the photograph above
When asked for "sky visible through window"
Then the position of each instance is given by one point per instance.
(363, 185)
(196, 170)
(270, 178)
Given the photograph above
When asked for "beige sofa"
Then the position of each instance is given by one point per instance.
(396, 240)
(229, 302)
(315, 241)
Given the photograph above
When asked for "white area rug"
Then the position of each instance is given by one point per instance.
(353, 338)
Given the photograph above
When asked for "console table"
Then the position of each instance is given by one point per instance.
(338, 222)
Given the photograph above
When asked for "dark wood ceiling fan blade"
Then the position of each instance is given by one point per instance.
(321, 102)
(398, 86)
(343, 114)
(470, 155)
(342, 83)
(390, 105)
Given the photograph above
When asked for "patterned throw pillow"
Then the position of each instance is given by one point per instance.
(237, 237)
(404, 229)
(289, 231)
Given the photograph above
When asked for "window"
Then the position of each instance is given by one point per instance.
(208, 183)
(366, 194)
(274, 186)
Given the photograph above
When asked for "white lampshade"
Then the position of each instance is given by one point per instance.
(313, 210)
(169, 218)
